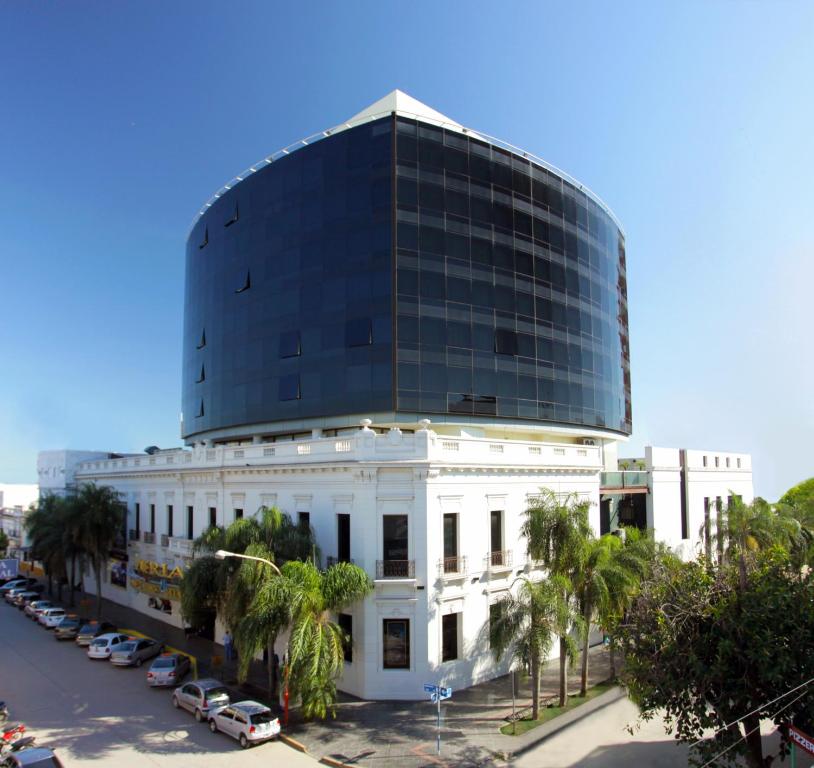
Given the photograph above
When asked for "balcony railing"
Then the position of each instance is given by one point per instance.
(623, 480)
(133, 535)
(149, 537)
(452, 566)
(181, 546)
(331, 560)
(165, 540)
(499, 559)
(395, 569)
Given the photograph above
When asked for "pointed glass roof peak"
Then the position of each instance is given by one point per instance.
(400, 102)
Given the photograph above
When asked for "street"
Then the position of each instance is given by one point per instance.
(90, 711)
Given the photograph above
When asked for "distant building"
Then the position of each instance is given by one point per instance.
(15, 499)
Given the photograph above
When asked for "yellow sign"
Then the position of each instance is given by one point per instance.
(170, 592)
(148, 568)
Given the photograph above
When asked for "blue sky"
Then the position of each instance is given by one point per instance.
(694, 121)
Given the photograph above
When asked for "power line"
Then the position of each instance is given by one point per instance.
(754, 711)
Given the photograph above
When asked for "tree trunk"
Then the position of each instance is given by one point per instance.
(270, 667)
(97, 571)
(71, 583)
(563, 674)
(50, 584)
(59, 589)
(586, 615)
(612, 651)
(535, 685)
(754, 742)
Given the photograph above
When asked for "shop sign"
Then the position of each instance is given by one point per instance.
(157, 579)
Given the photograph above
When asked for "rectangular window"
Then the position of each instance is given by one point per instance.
(704, 461)
(394, 540)
(449, 637)
(358, 332)
(190, 515)
(727, 462)
(496, 536)
(345, 622)
(343, 538)
(707, 530)
(138, 520)
(238, 513)
(152, 518)
(290, 387)
(290, 345)
(717, 462)
(451, 564)
(169, 520)
(495, 614)
(739, 463)
(213, 517)
(719, 527)
(505, 342)
(396, 643)
(304, 519)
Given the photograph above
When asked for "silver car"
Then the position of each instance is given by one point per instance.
(103, 646)
(50, 617)
(168, 669)
(247, 721)
(135, 652)
(201, 697)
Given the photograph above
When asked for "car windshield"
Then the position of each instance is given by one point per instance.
(88, 628)
(99, 643)
(163, 664)
(261, 718)
(127, 647)
(69, 623)
(216, 693)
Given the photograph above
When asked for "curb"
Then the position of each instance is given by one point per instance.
(562, 722)
(334, 763)
(294, 744)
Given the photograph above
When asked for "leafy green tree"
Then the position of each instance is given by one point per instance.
(45, 524)
(800, 495)
(72, 542)
(711, 653)
(100, 514)
(556, 530)
(525, 625)
(4, 542)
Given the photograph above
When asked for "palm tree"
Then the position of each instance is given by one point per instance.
(226, 587)
(316, 645)
(45, 525)
(556, 529)
(101, 516)
(72, 542)
(605, 584)
(3, 543)
(527, 624)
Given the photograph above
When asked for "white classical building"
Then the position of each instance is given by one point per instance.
(15, 499)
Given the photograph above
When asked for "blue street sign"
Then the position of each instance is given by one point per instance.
(445, 693)
(429, 688)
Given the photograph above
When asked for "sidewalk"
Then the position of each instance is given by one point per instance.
(395, 733)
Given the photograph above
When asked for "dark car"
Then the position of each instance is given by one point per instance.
(34, 757)
(69, 627)
(16, 582)
(93, 629)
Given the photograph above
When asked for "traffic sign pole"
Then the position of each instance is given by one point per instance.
(438, 741)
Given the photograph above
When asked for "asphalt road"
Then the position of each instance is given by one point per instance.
(93, 713)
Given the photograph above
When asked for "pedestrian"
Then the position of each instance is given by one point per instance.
(227, 645)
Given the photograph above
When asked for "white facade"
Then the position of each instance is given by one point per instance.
(56, 470)
(368, 476)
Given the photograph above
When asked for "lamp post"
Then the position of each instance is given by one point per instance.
(222, 554)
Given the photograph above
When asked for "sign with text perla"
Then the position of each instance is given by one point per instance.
(9, 568)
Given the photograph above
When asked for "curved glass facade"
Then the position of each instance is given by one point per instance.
(504, 285)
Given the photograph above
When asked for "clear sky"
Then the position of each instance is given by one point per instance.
(694, 121)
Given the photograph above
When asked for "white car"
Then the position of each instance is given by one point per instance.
(247, 721)
(50, 617)
(35, 607)
(101, 647)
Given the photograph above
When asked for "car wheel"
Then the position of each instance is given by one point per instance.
(244, 742)
(199, 715)
(175, 702)
(213, 726)
(139, 662)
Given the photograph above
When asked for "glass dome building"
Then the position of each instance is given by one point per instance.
(400, 267)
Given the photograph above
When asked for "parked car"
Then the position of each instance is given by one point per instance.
(11, 594)
(168, 669)
(92, 629)
(247, 721)
(16, 583)
(101, 647)
(135, 652)
(201, 697)
(22, 599)
(50, 617)
(34, 757)
(69, 627)
(33, 606)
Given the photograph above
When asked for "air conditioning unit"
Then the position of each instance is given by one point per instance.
(588, 441)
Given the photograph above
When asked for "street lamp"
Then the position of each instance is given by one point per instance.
(222, 554)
